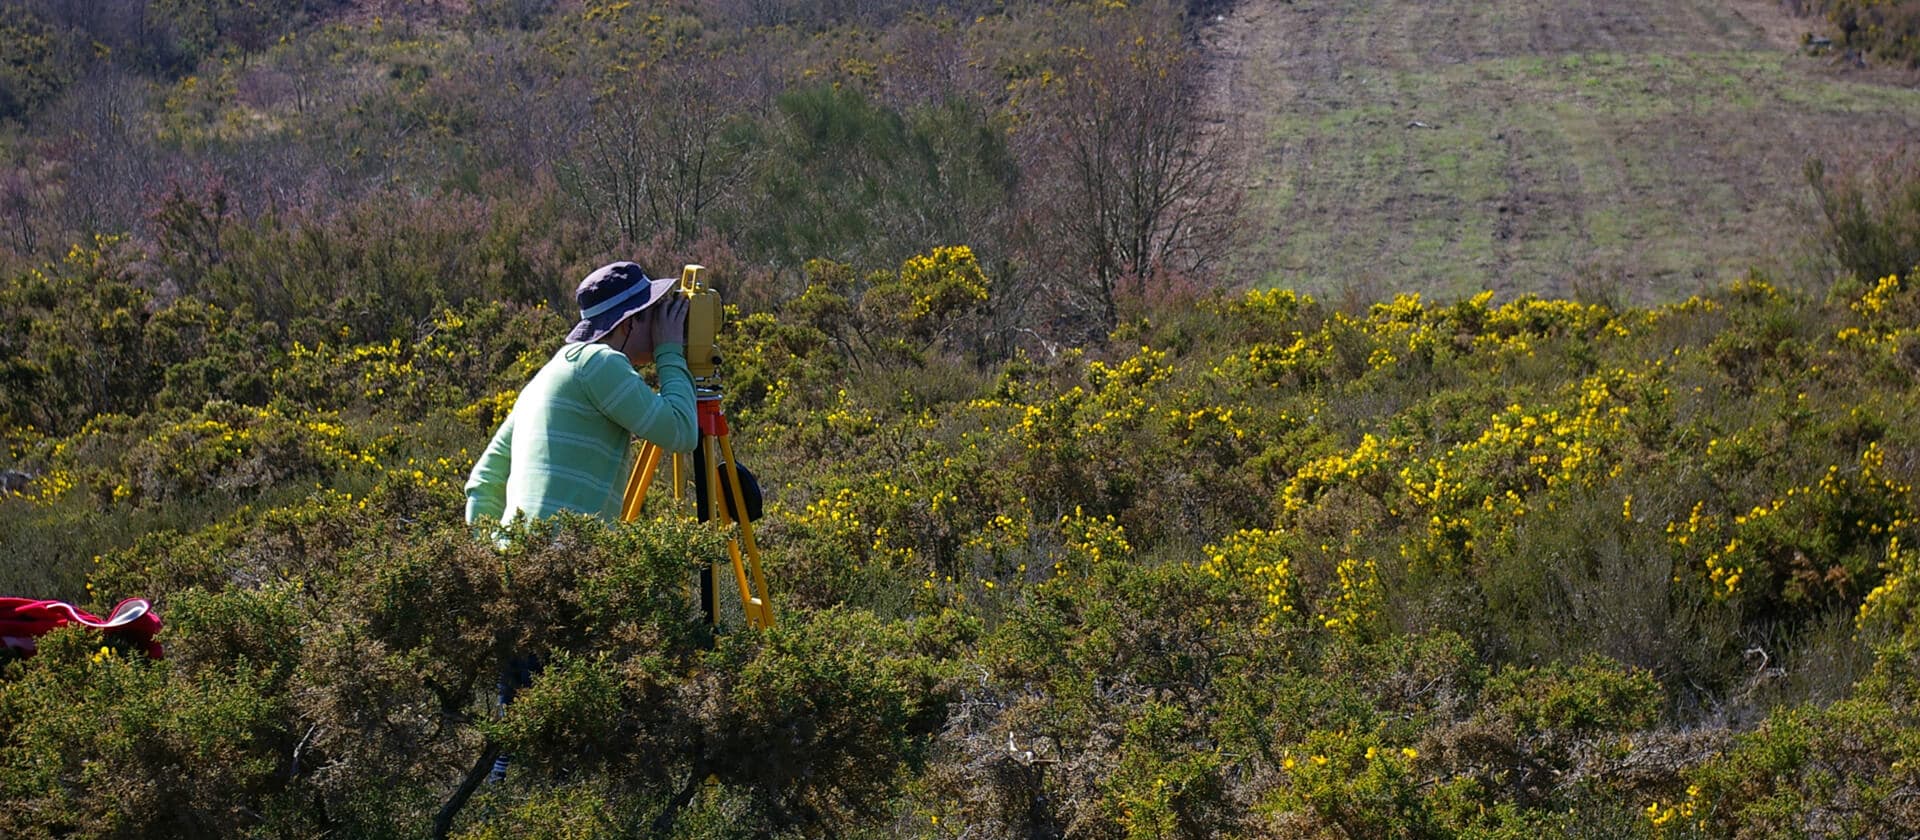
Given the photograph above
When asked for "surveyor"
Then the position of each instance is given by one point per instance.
(564, 445)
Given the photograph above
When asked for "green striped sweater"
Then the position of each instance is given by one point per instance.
(564, 445)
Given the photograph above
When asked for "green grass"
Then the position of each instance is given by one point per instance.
(1670, 159)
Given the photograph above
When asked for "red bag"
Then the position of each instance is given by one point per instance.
(23, 620)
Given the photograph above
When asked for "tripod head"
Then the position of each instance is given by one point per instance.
(704, 314)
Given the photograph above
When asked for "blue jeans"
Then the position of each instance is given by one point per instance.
(515, 675)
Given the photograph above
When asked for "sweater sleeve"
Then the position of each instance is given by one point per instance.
(622, 394)
(487, 484)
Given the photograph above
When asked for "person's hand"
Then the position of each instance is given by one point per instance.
(670, 321)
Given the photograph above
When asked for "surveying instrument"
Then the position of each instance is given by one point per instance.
(717, 499)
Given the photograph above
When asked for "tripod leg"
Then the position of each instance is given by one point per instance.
(716, 512)
(639, 481)
(679, 475)
(710, 574)
(717, 509)
(763, 616)
(709, 597)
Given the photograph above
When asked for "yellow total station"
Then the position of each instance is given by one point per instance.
(703, 322)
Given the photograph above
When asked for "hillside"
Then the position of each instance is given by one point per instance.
(1653, 146)
(1074, 527)
(1262, 568)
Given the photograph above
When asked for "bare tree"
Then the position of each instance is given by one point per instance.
(106, 153)
(932, 63)
(660, 151)
(608, 173)
(698, 161)
(1131, 188)
(530, 119)
(20, 202)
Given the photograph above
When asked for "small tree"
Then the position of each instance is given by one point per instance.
(1131, 188)
(1870, 218)
(102, 149)
(659, 151)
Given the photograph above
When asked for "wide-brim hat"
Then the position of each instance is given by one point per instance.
(613, 293)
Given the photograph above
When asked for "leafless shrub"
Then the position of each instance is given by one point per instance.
(932, 63)
(105, 152)
(21, 201)
(657, 152)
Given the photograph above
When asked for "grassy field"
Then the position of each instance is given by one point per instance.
(1644, 148)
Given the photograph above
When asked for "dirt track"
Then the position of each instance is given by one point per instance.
(1448, 146)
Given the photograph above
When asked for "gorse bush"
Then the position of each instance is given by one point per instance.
(1887, 29)
(1260, 566)
(332, 694)
(102, 744)
(32, 76)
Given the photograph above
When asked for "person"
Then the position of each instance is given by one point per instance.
(563, 447)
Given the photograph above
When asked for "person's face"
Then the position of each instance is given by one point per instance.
(634, 337)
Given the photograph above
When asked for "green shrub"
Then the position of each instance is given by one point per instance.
(1592, 697)
(1838, 771)
(1870, 218)
(102, 742)
(75, 345)
(1889, 29)
(31, 71)
(1163, 786)
(1353, 786)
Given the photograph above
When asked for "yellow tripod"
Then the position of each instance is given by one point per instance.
(724, 501)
